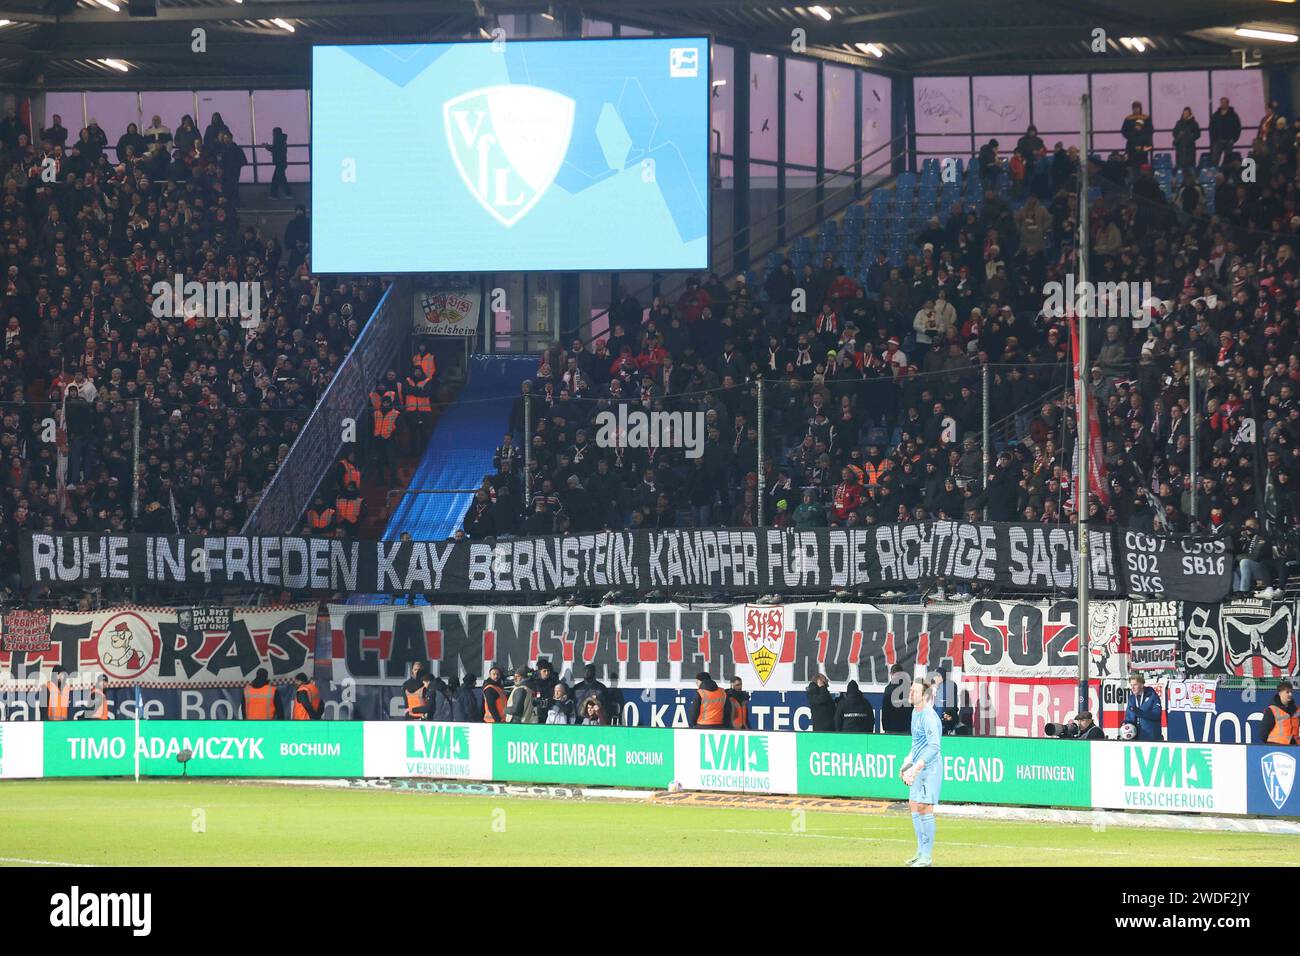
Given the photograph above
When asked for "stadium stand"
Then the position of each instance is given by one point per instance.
(87, 342)
(873, 387)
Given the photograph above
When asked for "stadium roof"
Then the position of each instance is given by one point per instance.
(63, 43)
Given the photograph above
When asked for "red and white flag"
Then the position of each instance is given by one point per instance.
(1097, 484)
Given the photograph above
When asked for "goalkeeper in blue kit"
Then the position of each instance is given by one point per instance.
(923, 769)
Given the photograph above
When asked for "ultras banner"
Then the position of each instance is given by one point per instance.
(173, 647)
(1009, 556)
(771, 647)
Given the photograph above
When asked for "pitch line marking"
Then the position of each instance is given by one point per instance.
(18, 860)
(981, 846)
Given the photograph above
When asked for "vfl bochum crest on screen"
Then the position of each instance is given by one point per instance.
(508, 143)
(1279, 776)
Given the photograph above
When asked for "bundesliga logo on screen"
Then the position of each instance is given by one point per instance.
(508, 143)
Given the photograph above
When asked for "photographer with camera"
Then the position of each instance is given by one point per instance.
(1081, 727)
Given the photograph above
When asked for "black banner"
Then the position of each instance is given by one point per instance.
(1026, 557)
(1177, 567)
(1244, 637)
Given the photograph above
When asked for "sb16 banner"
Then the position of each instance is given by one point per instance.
(1007, 556)
(162, 647)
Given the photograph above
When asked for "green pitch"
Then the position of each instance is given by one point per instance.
(182, 823)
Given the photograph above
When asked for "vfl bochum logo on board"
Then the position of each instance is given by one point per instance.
(1279, 776)
(508, 143)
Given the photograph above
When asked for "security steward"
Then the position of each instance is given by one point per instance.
(413, 693)
(385, 429)
(417, 396)
(347, 508)
(259, 699)
(737, 705)
(349, 472)
(1281, 721)
(307, 704)
(494, 697)
(709, 708)
(423, 360)
(98, 701)
(320, 516)
(58, 696)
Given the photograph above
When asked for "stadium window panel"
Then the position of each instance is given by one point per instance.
(114, 112)
(837, 124)
(877, 121)
(1000, 106)
(1170, 92)
(597, 28)
(1245, 91)
(287, 109)
(723, 97)
(942, 105)
(169, 105)
(800, 112)
(235, 110)
(763, 107)
(930, 147)
(1055, 106)
(1112, 100)
(71, 110)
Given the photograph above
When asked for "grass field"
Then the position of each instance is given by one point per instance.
(184, 823)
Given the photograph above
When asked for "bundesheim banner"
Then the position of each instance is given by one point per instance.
(447, 313)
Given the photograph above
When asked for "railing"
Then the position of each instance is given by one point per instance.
(827, 203)
(285, 498)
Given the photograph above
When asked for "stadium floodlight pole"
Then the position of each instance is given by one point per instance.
(984, 475)
(135, 464)
(762, 440)
(1191, 431)
(1081, 399)
(528, 452)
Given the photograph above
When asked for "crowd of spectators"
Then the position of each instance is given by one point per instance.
(872, 391)
(219, 397)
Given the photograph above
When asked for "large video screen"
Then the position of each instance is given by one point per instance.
(514, 155)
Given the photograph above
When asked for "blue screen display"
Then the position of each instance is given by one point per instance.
(513, 155)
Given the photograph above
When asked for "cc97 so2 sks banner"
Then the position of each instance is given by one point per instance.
(1027, 557)
(511, 156)
(162, 647)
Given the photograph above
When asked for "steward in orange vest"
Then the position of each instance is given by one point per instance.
(413, 693)
(319, 516)
(259, 699)
(386, 420)
(58, 696)
(306, 699)
(737, 705)
(417, 392)
(709, 708)
(494, 698)
(348, 507)
(425, 362)
(382, 446)
(349, 473)
(1281, 721)
(98, 700)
